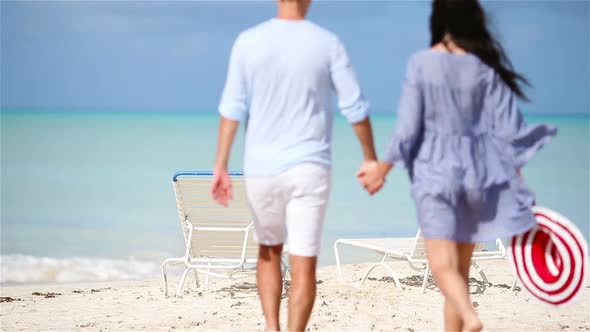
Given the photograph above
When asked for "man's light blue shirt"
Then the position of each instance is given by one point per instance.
(281, 78)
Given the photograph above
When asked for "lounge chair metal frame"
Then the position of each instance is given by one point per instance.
(191, 189)
(413, 251)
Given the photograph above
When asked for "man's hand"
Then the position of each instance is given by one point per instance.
(221, 187)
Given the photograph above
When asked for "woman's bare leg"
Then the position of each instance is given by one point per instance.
(446, 258)
(465, 253)
(453, 321)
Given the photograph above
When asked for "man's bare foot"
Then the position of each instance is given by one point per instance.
(272, 327)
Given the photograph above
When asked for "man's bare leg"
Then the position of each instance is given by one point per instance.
(302, 294)
(270, 285)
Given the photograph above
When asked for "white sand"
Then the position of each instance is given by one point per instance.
(226, 306)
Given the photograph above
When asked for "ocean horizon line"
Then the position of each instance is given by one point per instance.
(130, 111)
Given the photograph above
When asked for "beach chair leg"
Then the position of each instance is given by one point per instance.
(165, 278)
(393, 275)
(381, 263)
(337, 254)
(169, 261)
(285, 266)
(514, 284)
(426, 275)
(481, 273)
(196, 274)
(369, 272)
(285, 272)
(207, 276)
(181, 283)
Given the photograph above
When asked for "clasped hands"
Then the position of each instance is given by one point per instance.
(371, 175)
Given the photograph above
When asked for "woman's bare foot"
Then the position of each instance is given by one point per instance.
(473, 325)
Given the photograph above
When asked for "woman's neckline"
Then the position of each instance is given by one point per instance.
(439, 51)
(443, 48)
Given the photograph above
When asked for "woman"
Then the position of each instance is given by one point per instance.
(461, 136)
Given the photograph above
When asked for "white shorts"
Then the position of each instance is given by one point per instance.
(291, 206)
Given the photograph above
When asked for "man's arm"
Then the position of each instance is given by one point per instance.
(225, 140)
(364, 132)
(221, 186)
(355, 108)
(351, 102)
(232, 108)
(371, 174)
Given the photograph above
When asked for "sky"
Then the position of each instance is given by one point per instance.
(172, 55)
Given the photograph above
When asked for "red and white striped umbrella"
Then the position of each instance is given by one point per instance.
(551, 259)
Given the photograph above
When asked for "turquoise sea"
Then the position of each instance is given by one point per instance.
(88, 195)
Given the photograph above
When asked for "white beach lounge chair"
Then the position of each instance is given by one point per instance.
(412, 250)
(219, 240)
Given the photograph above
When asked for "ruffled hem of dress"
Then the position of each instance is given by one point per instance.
(525, 200)
(481, 238)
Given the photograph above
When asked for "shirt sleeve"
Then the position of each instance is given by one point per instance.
(408, 125)
(351, 102)
(509, 126)
(233, 99)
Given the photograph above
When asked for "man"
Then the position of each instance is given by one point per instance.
(281, 76)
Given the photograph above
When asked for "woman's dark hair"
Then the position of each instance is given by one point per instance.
(464, 21)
